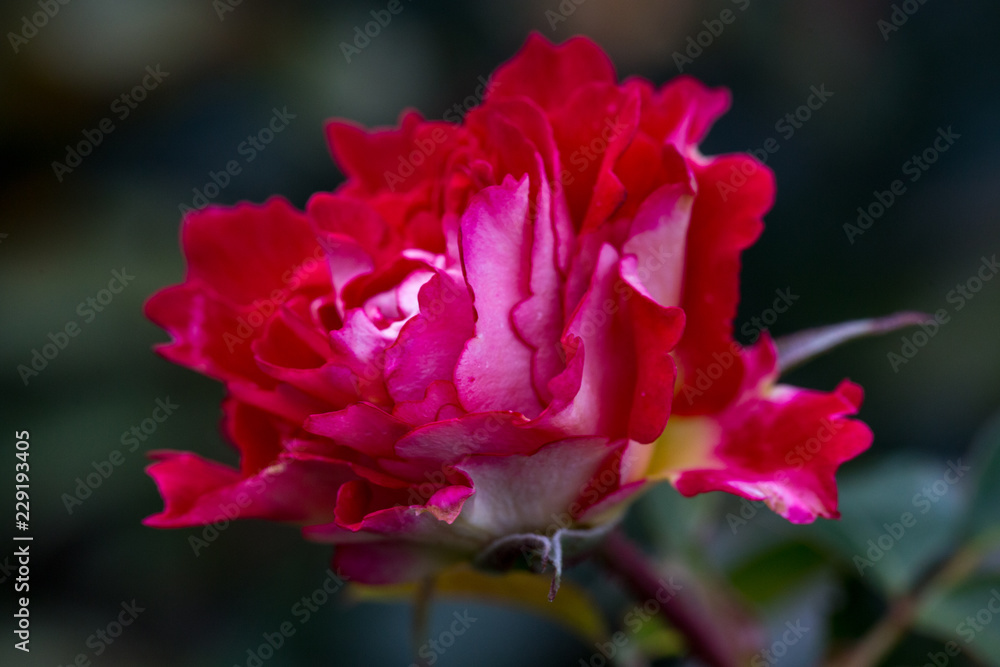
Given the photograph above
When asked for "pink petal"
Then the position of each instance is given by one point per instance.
(429, 344)
(494, 371)
(500, 433)
(440, 394)
(627, 374)
(362, 427)
(658, 240)
(197, 491)
(782, 444)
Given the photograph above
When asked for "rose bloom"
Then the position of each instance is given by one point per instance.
(508, 326)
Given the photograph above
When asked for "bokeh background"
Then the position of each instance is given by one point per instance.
(228, 66)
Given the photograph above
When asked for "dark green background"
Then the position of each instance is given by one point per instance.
(119, 208)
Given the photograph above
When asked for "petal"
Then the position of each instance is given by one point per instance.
(361, 427)
(724, 221)
(494, 372)
(249, 251)
(548, 74)
(208, 335)
(593, 130)
(499, 433)
(527, 493)
(779, 444)
(627, 375)
(658, 240)
(197, 491)
(256, 433)
(429, 344)
(538, 320)
(396, 160)
(301, 357)
(440, 395)
(655, 331)
(682, 111)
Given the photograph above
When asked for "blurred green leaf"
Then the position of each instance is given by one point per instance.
(676, 524)
(967, 614)
(656, 639)
(572, 608)
(983, 518)
(898, 518)
(773, 573)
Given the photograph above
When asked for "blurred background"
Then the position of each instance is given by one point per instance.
(165, 94)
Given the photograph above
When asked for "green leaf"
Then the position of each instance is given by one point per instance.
(967, 614)
(897, 519)
(983, 518)
(675, 524)
(572, 608)
(772, 573)
(655, 639)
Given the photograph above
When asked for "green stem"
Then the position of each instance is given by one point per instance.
(626, 562)
(882, 638)
(419, 631)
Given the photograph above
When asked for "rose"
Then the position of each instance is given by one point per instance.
(479, 337)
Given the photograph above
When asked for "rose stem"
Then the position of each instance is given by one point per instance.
(625, 561)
